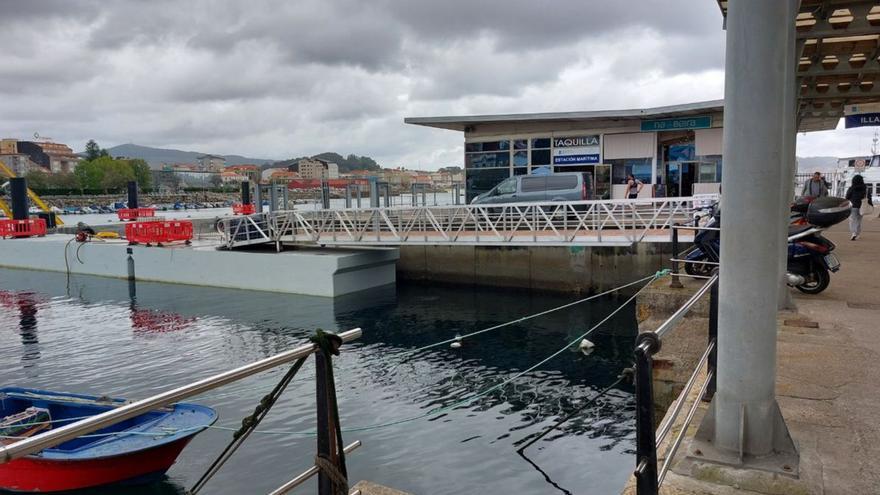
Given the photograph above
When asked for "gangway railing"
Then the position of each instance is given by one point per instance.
(648, 477)
(325, 432)
(607, 222)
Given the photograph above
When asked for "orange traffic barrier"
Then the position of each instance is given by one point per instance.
(22, 228)
(153, 232)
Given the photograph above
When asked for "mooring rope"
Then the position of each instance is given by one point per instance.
(409, 354)
(248, 425)
(439, 410)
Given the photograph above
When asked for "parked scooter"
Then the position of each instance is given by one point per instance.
(810, 258)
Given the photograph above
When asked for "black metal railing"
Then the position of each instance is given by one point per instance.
(649, 477)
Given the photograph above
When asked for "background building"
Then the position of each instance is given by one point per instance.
(315, 168)
(673, 150)
(23, 156)
(212, 163)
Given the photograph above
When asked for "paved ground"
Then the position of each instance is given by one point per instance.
(828, 385)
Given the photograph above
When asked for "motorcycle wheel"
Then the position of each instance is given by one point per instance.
(698, 269)
(820, 280)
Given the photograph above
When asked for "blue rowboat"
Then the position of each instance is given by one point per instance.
(137, 450)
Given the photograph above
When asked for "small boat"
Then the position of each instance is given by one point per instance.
(137, 450)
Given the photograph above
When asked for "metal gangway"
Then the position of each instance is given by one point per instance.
(577, 223)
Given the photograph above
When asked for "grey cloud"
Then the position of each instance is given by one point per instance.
(276, 78)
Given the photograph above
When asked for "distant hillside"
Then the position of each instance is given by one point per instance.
(157, 156)
(816, 163)
(346, 164)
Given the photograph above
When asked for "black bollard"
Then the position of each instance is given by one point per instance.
(18, 193)
(132, 194)
(245, 192)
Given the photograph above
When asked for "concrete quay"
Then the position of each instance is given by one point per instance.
(828, 386)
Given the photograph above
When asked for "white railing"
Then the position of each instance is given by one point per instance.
(609, 222)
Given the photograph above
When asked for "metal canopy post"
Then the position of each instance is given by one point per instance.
(789, 161)
(744, 426)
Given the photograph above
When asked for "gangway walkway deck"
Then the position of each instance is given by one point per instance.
(577, 223)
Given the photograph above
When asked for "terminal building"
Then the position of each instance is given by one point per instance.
(673, 150)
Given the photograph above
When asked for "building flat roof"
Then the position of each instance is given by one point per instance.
(458, 123)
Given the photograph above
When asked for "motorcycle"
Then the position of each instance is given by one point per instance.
(810, 257)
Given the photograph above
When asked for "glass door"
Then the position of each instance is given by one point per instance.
(673, 179)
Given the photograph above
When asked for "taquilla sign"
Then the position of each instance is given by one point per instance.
(576, 150)
(573, 142)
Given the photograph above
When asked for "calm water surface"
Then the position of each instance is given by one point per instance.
(94, 336)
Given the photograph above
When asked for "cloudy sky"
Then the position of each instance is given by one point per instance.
(277, 79)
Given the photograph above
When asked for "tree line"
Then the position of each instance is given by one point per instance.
(97, 172)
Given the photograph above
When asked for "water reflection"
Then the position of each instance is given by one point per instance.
(25, 303)
(197, 331)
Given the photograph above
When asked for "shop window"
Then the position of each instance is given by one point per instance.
(520, 158)
(520, 171)
(487, 160)
(521, 144)
(541, 143)
(640, 168)
(710, 168)
(487, 146)
(540, 157)
(478, 181)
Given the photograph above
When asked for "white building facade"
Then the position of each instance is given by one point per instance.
(673, 151)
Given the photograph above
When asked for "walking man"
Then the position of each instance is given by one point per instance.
(815, 187)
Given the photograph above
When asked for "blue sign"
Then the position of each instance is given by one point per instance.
(575, 159)
(699, 122)
(862, 120)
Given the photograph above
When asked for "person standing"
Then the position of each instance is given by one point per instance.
(633, 187)
(816, 187)
(857, 193)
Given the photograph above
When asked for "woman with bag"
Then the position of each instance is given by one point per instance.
(857, 194)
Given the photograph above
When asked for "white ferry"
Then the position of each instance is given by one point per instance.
(866, 166)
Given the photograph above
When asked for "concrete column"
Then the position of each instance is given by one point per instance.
(789, 159)
(746, 413)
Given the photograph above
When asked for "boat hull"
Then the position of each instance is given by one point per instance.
(35, 475)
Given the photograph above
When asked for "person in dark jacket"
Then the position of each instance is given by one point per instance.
(857, 193)
(816, 187)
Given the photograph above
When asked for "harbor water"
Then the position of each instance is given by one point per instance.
(103, 336)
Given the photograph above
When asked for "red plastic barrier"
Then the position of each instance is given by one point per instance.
(135, 213)
(158, 232)
(242, 209)
(22, 228)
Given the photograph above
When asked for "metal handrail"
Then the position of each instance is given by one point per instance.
(694, 227)
(73, 430)
(679, 403)
(550, 223)
(648, 479)
(673, 320)
(309, 473)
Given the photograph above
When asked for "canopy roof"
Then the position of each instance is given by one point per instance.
(838, 42)
(459, 123)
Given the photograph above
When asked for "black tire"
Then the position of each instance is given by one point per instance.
(698, 269)
(820, 280)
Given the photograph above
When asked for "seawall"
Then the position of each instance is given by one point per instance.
(577, 269)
